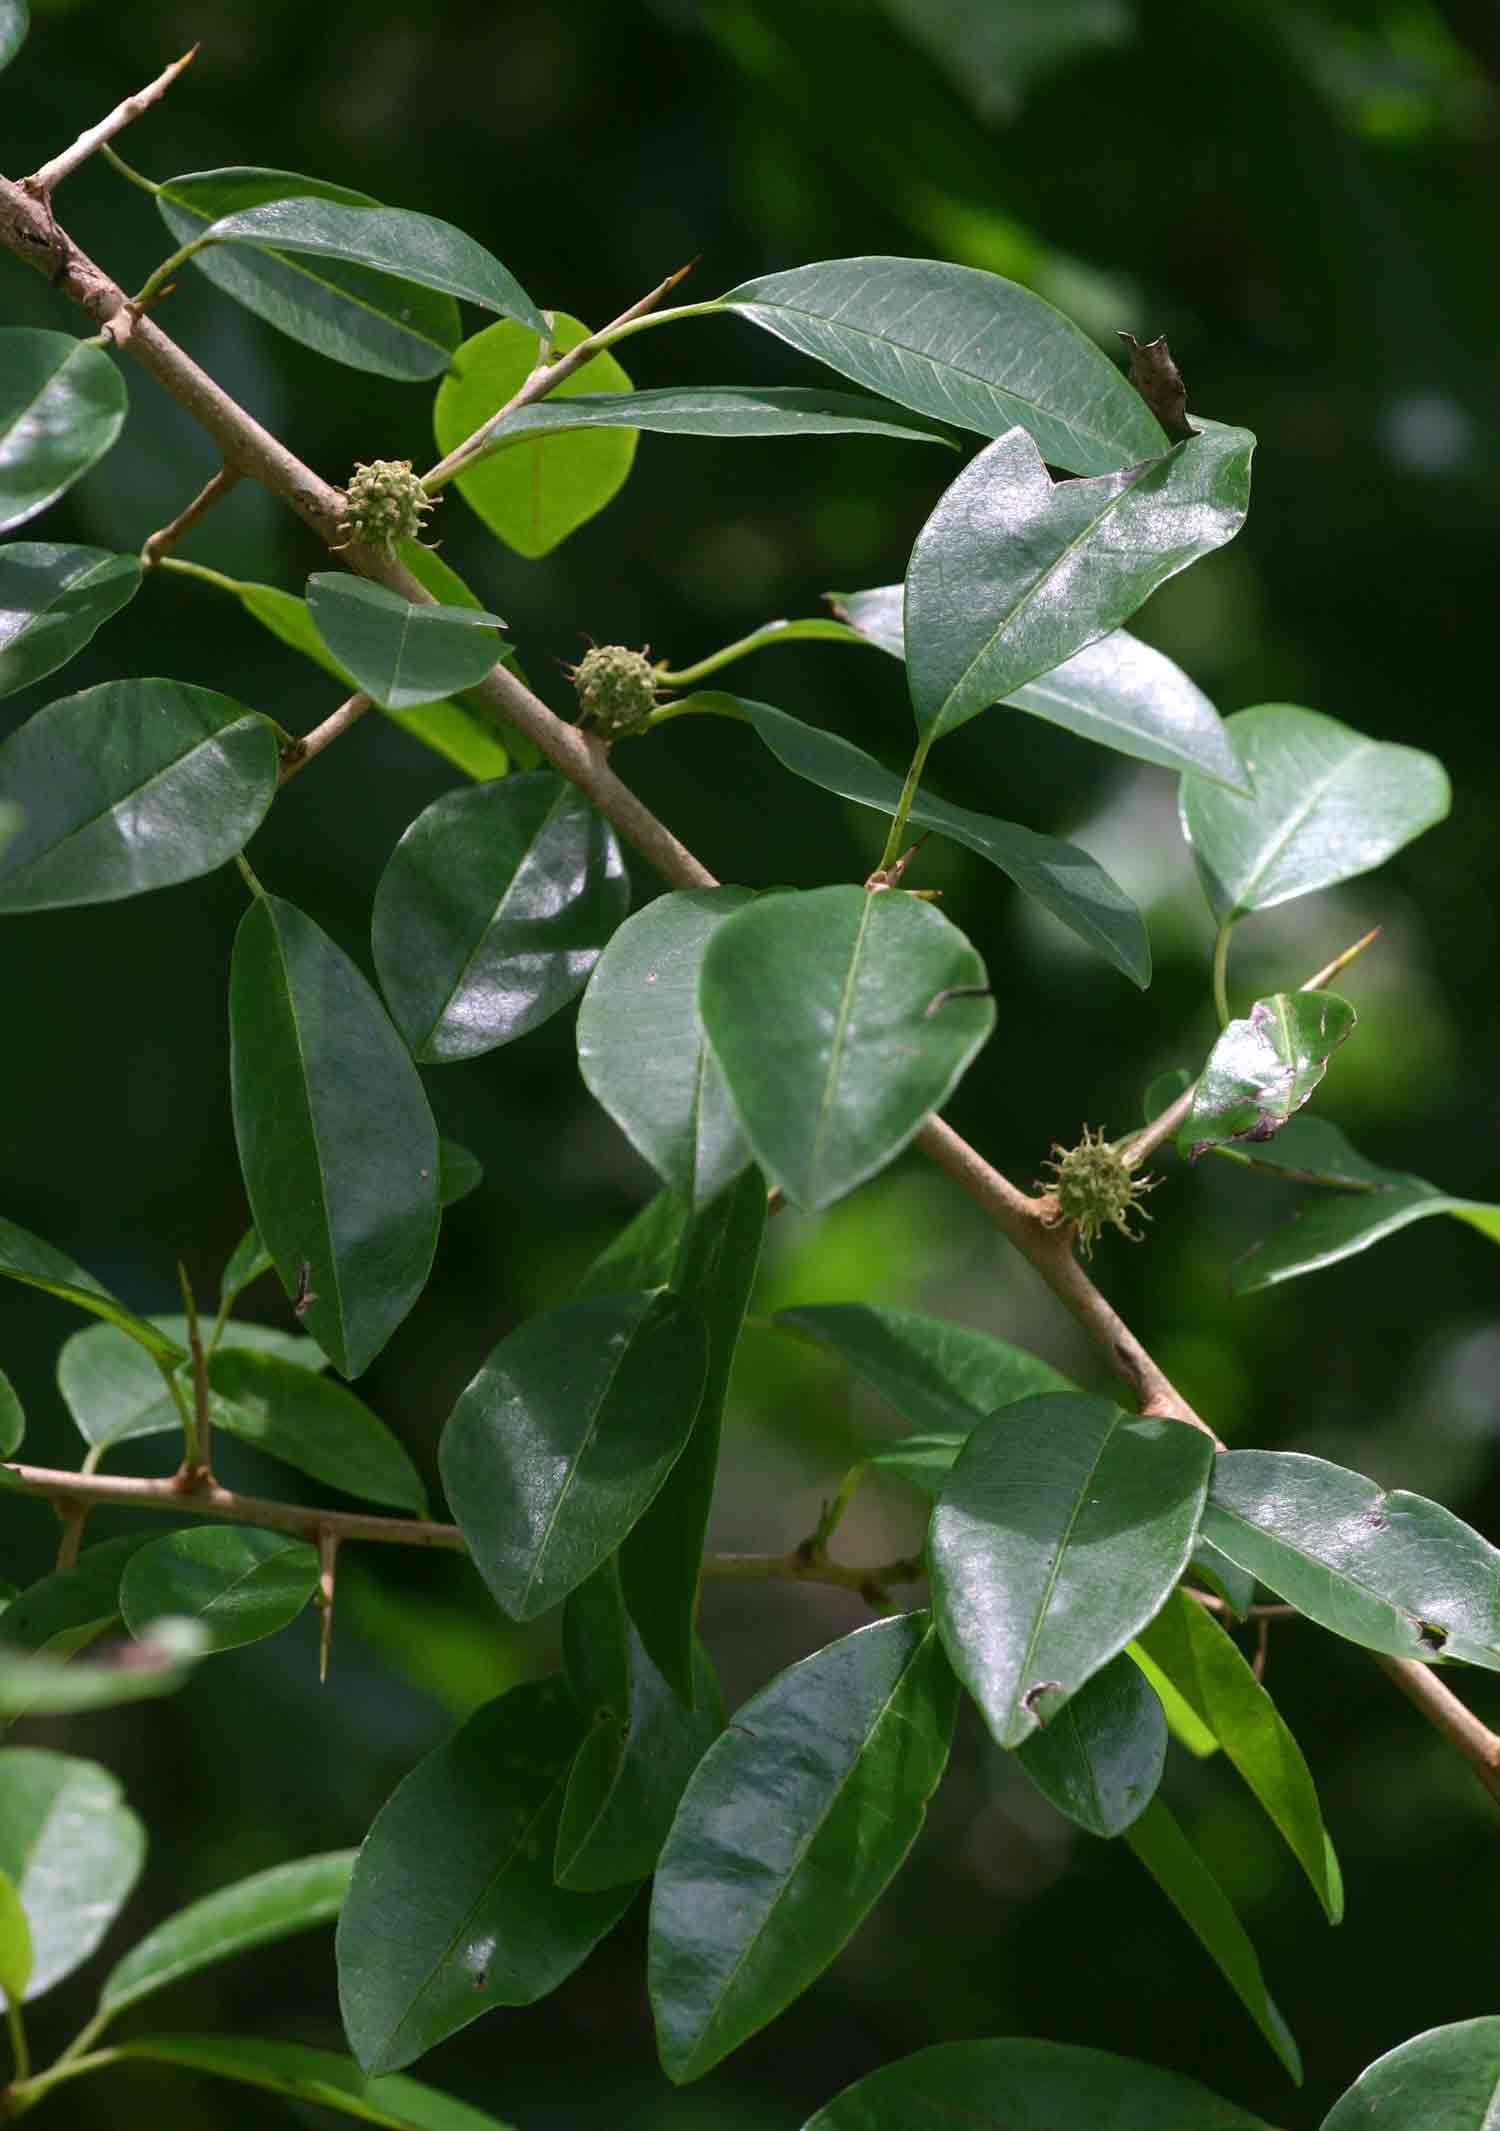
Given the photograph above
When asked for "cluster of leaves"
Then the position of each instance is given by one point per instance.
(1085, 1564)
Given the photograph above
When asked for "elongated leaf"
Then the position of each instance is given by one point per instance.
(52, 599)
(131, 786)
(534, 496)
(401, 652)
(240, 1583)
(1200, 1901)
(249, 1260)
(817, 1008)
(1016, 2084)
(1186, 1727)
(72, 1849)
(15, 20)
(1327, 1229)
(1263, 1069)
(938, 1375)
(64, 1611)
(717, 411)
(642, 1254)
(924, 1459)
(1013, 572)
(27, 1258)
(492, 912)
(1062, 1529)
(962, 346)
(62, 404)
(642, 1049)
(337, 1144)
(344, 310)
(1219, 1574)
(1214, 1680)
(1445, 2080)
(564, 1436)
(662, 1560)
(1062, 878)
(320, 2078)
(1390, 1570)
(1118, 692)
(453, 1907)
(16, 1954)
(789, 1832)
(115, 1392)
(12, 1418)
(44, 1685)
(306, 1421)
(1100, 1758)
(1313, 1151)
(254, 1912)
(1329, 804)
(392, 240)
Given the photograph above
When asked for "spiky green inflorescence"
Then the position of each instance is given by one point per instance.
(616, 689)
(1093, 1185)
(385, 504)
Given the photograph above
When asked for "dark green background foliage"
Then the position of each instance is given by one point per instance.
(1302, 197)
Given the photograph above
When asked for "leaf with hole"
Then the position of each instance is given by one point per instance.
(1263, 1069)
(131, 786)
(240, 1583)
(937, 1375)
(827, 1014)
(1061, 1531)
(52, 599)
(1445, 2080)
(71, 1848)
(320, 2078)
(62, 404)
(790, 1830)
(401, 652)
(27, 1258)
(1099, 1760)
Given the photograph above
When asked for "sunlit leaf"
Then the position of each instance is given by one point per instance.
(1445, 2080)
(71, 1848)
(115, 1392)
(717, 411)
(52, 599)
(1264, 1068)
(237, 1582)
(62, 404)
(16, 1954)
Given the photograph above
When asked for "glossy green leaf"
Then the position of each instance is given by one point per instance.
(1264, 1068)
(1214, 1680)
(45, 1685)
(1099, 1760)
(130, 786)
(453, 1907)
(1058, 875)
(925, 1459)
(1313, 1151)
(1216, 1572)
(459, 1172)
(16, 1954)
(790, 1831)
(1014, 572)
(12, 1418)
(717, 411)
(319, 2078)
(492, 912)
(340, 308)
(401, 652)
(642, 1254)
(64, 1611)
(1200, 1901)
(27, 1258)
(826, 1015)
(248, 1261)
(1390, 1570)
(962, 346)
(936, 1374)
(391, 240)
(15, 20)
(642, 1746)
(642, 1050)
(1017, 2084)
(1117, 692)
(52, 599)
(1063, 1527)
(312, 1423)
(1186, 1727)
(337, 1143)
(662, 1560)
(71, 1848)
(1328, 805)
(1445, 2080)
(240, 1583)
(253, 1912)
(115, 1392)
(62, 404)
(564, 1436)
(532, 497)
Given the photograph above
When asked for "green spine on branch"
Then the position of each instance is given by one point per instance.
(616, 690)
(1093, 1186)
(385, 504)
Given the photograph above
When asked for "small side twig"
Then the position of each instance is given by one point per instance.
(299, 753)
(1441, 1707)
(72, 1516)
(42, 183)
(198, 1466)
(328, 1554)
(167, 536)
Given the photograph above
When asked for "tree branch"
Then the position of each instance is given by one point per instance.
(167, 537)
(1441, 1707)
(299, 753)
(43, 182)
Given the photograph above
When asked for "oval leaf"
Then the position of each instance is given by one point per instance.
(1328, 805)
(1061, 1531)
(115, 1392)
(27, 1258)
(492, 912)
(71, 1848)
(16, 1955)
(1100, 1759)
(346, 311)
(642, 1050)
(453, 1907)
(401, 652)
(790, 1831)
(1263, 1069)
(49, 1686)
(826, 1014)
(15, 20)
(241, 1584)
(1330, 1228)
(66, 1610)
(254, 1912)
(716, 411)
(131, 786)
(564, 1436)
(936, 1374)
(1445, 2080)
(320, 2078)
(1014, 572)
(52, 599)
(337, 1144)
(62, 404)
(962, 346)
(306, 1421)
(12, 1418)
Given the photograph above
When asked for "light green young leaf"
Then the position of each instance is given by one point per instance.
(1264, 1068)
(239, 1583)
(319, 2078)
(401, 652)
(52, 599)
(1445, 2080)
(71, 1848)
(16, 1953)
(27, 1258)
(62, 404)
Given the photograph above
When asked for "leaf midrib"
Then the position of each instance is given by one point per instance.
(1055, 1571)
(826, 1105)
(1296, 820)
(337, 1298)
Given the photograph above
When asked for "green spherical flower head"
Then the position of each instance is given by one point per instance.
(1093, 1185)
(385, 504)
(616, 689)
